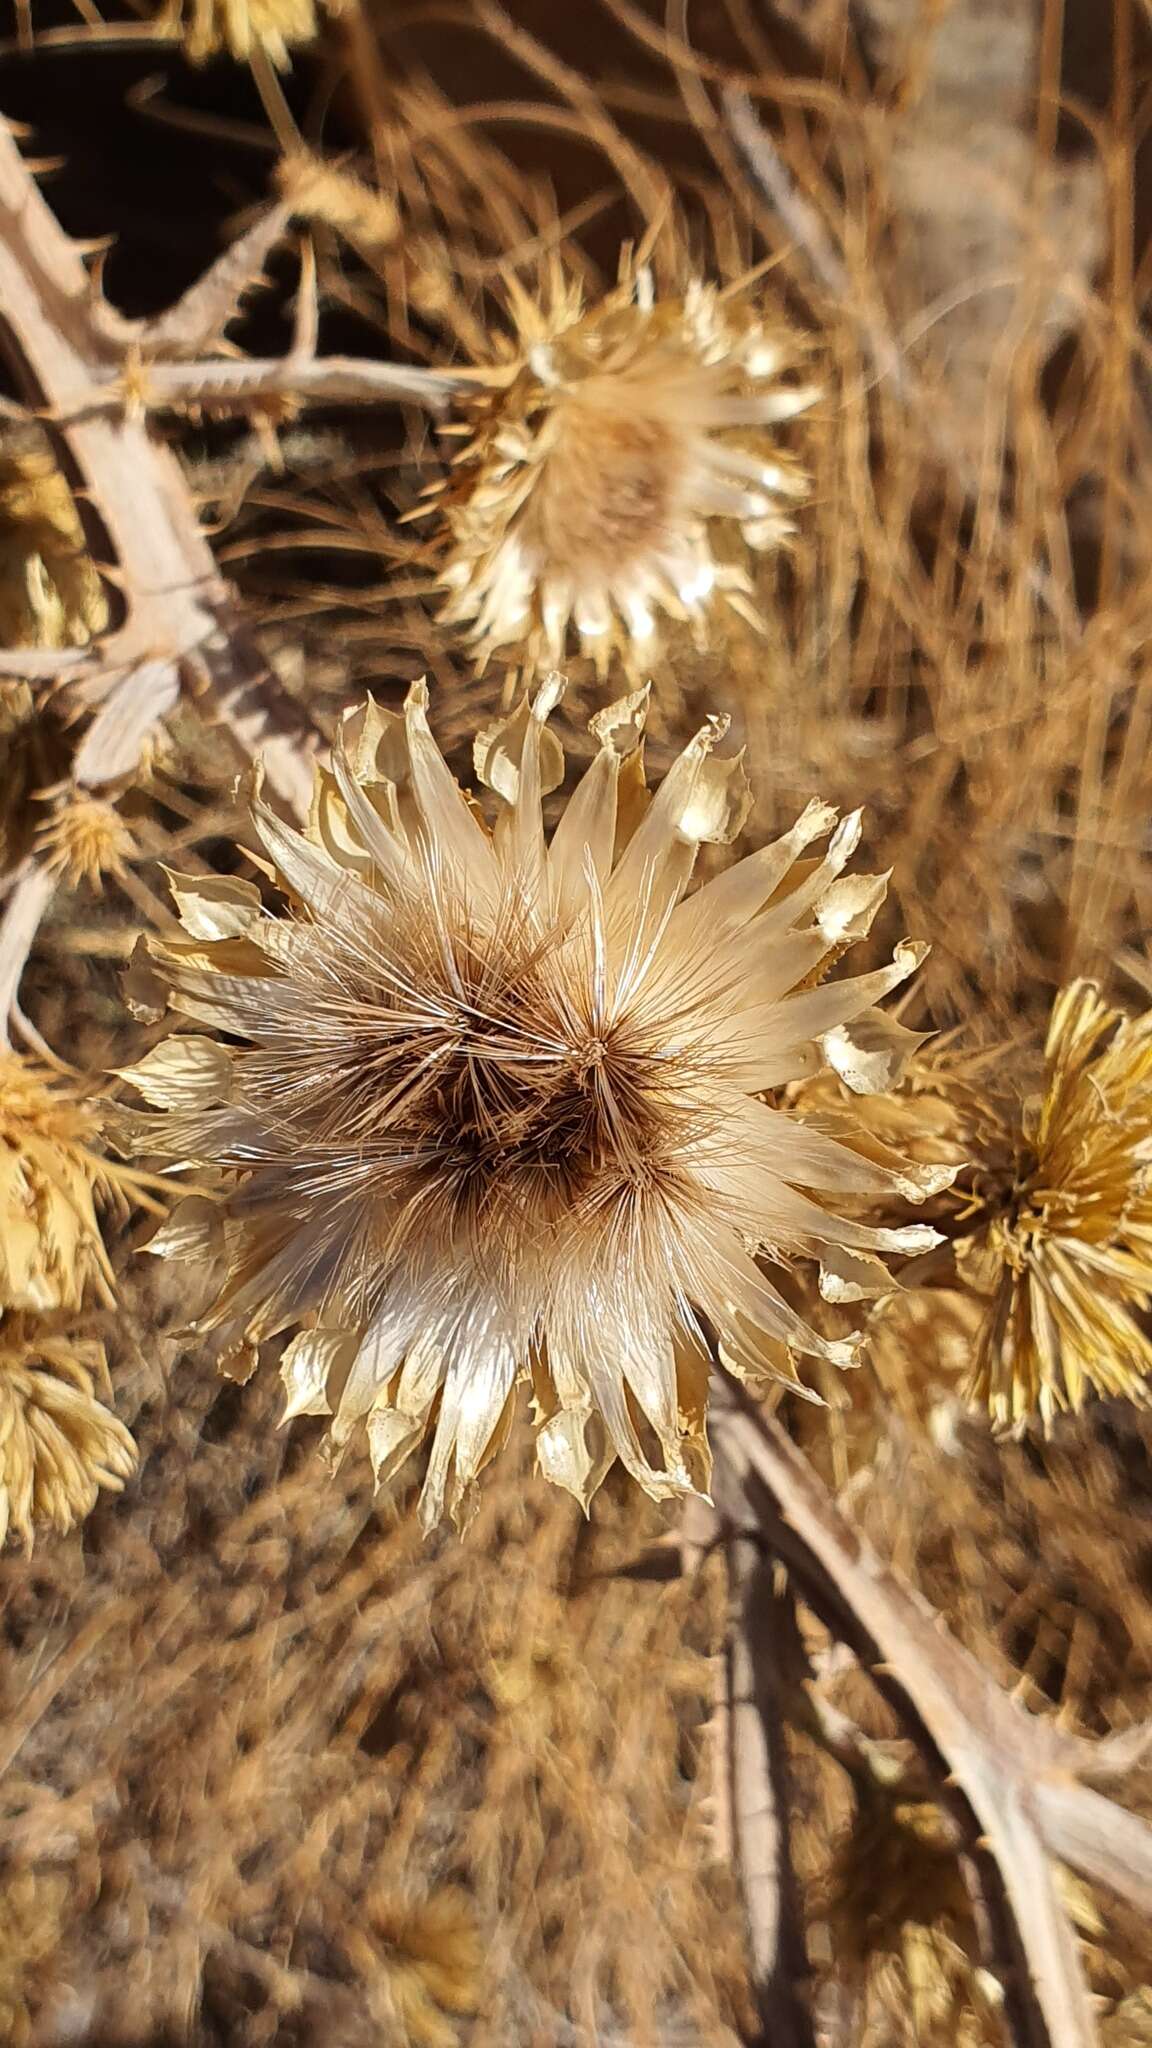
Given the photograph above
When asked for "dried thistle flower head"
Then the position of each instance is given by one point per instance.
(1064, 1245)
(51, 594)
(595, 461)
(83, 838)
(58, 1444)
(209, 28)
(501, 1110)
(50, 1175)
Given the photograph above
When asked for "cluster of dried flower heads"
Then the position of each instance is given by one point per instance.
(501, 1109)
(58, 1443)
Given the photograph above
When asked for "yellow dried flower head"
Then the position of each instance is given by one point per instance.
(423, 1963)
(595, 462)
(83, 839)
(1064, 1242)
(50, 1175)
(51, 594)
(501, 1111)
(901, 1929)
(58, 1444)
(208, 28)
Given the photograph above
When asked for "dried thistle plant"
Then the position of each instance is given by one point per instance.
(320, 190)
(59, 1445)
(501, 1112)
(596, 454)
(1050, 1216)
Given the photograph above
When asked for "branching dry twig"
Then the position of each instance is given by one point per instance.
(1019, 1775)
(93, 377)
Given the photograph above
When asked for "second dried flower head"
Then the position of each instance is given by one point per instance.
(594, 464)
(500, 1112)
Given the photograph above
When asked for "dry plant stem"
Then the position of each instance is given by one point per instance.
(179, 617)
(244, 380)
(756, 1663)
(23, 913)
(1017, 1774)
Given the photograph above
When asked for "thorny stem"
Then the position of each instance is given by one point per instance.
(1015, 1776)
(23, 913)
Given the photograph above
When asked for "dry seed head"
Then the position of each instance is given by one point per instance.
(596, 462)
(58, 1444)
(501, 1114)
(208, 28)
(83, 839)
(50, 1176)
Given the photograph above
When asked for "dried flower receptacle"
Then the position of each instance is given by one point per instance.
(595, 462)
(501, 1109)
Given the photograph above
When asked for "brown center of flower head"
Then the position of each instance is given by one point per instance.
(610, 489)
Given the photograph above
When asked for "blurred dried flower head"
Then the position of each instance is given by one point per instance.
(422, 1961)
(501, 1110)
(1064, 1245)
(51, 594)
(50, 1175)
(595, 461)
(83, 838)
(901, 1930)
(58, 1444)
(209, 28)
